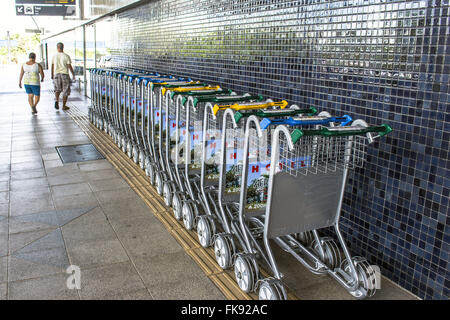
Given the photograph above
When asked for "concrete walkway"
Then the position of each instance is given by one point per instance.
(84, 214)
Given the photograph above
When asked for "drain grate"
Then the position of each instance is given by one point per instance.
(79, 153)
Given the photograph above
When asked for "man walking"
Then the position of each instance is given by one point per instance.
(61, 64)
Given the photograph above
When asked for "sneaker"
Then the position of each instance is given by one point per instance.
(33, 110)
(56, 105)
(65, 108)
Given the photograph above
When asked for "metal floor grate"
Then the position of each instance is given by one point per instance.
(79, 153)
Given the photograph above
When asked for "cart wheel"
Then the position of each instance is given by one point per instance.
(150, 172)
(136, 154)
(142, 159)
(130, 148)
(119, 140)
(124, 143)
(305, 238)
(205, 230)
(167, 193)
(188, 215)
(177, 206)
(271, 289)
(366, 275)
(244, 271)
(331, 250)
(159, 183)
(223, 250)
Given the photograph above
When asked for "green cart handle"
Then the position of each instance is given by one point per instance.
(270, 113)
(382, 130)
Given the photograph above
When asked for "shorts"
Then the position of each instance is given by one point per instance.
(33, 89)
(62, 84)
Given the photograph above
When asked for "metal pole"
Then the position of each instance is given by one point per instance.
(84, 61)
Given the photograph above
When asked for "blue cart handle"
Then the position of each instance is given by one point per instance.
(304, 121)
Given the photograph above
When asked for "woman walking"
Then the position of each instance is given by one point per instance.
(32, 70)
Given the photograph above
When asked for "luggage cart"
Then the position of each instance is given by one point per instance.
(173, 97)
(229, 176)
(308, 171)
(194, 113)
(161, 173)
(252, 198)
(210, 163)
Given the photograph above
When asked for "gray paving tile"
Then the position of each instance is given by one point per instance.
(141, 294)
(73, 202)
(35, 206)
(189, 288)
(3, 244)
(110, 280)
(4, 185)
(149, 245)
(70, 168)
(108, 184)
(165, 268)
(4, 209)
(86, 216)
(3, 290)
(126, 209)
(65, 179)
(29, 195)
(96, 253)
(4, 197)
(114, 195)
(76, 233)
(29, 165)
(100, 174)
(5, 176)
(52, 163)
(95, 165)
(51, 240)
(29, 184)
(28, 174)
(5, 168)
(3, 269)
(71, 189)
(36, 264)
(52, 287)
(56, 257)
(4, 225)
(18, 241)
(67, 215)
(35, 221)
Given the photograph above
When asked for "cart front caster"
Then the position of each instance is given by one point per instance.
(135, 154)
(167, 193)
(188, 215)
(206, 229)
(159, 183)
(177, 206)
(271, 289)
(367, 277)
(130, 148)
(223, 249)
(245, 272)
(332, 254)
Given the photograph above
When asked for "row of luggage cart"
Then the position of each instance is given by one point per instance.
(245, 172)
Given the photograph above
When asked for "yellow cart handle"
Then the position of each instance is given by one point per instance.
(250, 106)
(185, 89)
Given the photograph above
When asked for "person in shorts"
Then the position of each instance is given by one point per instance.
(30, 72)
(61, 65)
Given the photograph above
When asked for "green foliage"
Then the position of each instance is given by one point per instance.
(25, 45)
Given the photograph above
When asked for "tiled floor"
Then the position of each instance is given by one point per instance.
(54, 215)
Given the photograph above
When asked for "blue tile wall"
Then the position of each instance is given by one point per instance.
(380, 60)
